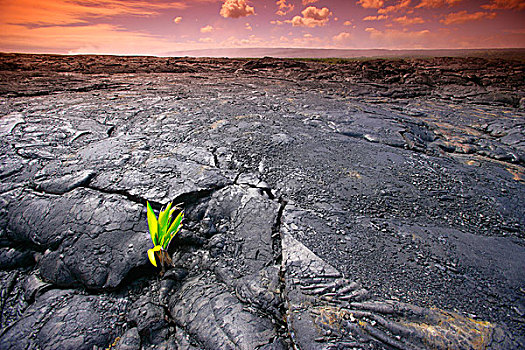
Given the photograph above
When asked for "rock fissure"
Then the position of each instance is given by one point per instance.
(6, 291)
(281, 322)
(132, 198)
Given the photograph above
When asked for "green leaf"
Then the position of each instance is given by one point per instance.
(176, 225)
(166, 243)
(153, 225)
(151, 254)
(162, 231)
(163, 220)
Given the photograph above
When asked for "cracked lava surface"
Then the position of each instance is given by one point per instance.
(370, 204)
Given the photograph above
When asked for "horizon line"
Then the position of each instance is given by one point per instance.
(171, 53)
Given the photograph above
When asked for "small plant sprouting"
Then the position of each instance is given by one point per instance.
(162, 232)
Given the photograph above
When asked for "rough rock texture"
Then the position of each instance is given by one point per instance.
(64, 319)
(325, 307)
(372, 204)
(106, 226)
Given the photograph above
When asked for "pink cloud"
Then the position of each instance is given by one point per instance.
(93, 39)
(371, 4)
(515, 31)
(394, 8)
(207, 29)
(342, 38)
(442, 38)
(306, 2)
(307, 41)
(505, 5)
(251, 41)
(400, 38)
(236, 9)
(406, 21)
(464, 16)
(312, 17)
(64, 12)
(437, 3)
(347, 23)
(375, 18)
(177, 19)
(284, 8)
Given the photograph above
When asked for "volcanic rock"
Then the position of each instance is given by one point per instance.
(368, 204)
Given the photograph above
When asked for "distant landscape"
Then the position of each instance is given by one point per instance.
(511, 53)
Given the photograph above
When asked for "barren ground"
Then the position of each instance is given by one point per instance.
(373, 204)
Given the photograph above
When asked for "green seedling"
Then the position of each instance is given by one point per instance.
(162, 231)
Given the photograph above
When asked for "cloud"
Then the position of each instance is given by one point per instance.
(505, 5)
(251, 41)
(278, 23)
(394, 8)
(207, 29)
(464, 16)
(306, 2)
(66, 12)
(177, 19)
(440, 38)
(284, 8)
(371, 4)
(400, 38)
(342, 38)
(307, 41)
(92, 39)
(347, 23)
(206, 40)
(406, 21)
(248, 26)
(434, 4)
(515, 31)
(375, 18)
(312, 17)
(236, 9)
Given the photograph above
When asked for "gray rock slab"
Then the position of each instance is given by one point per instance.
(129, 340)
(373, 129)
(327, 310)
(134, 168)
(89, 237)
(244, 218)
(217, 319)
(150, 320)
(65, 183)
(64, 319)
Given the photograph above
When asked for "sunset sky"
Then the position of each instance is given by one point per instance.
(157, 27)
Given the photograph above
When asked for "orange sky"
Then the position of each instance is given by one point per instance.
(158, 27)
